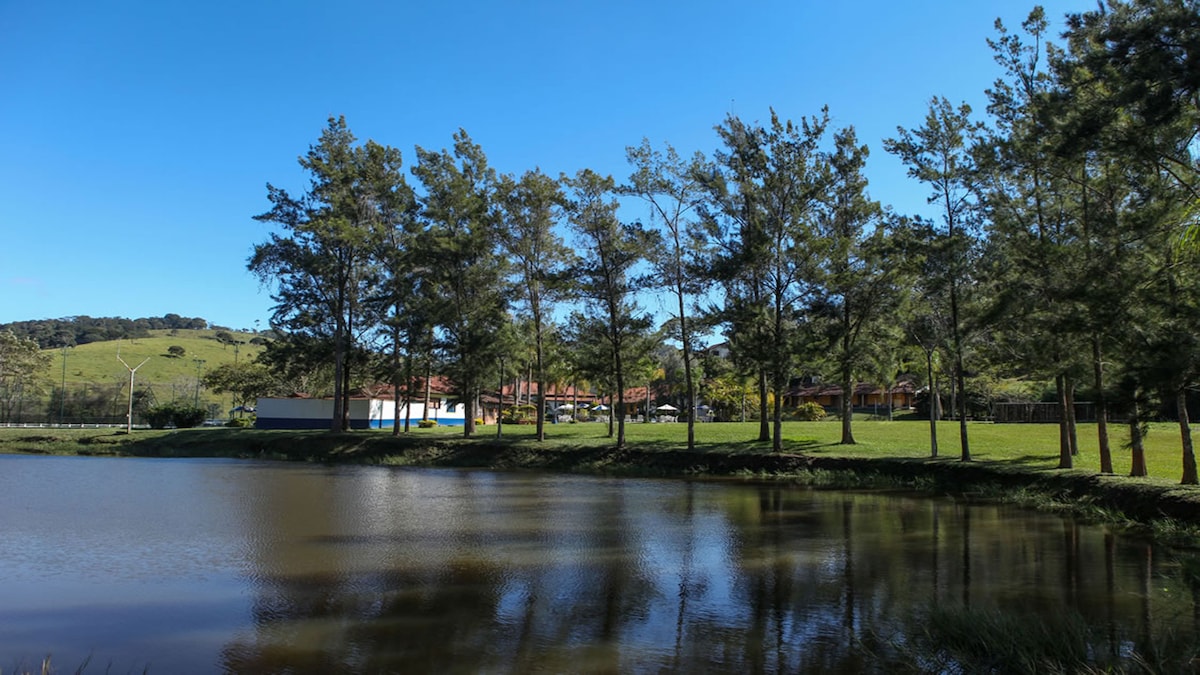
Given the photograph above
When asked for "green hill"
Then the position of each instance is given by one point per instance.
(170, 377)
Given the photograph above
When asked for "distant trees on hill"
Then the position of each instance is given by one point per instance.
(80, 330)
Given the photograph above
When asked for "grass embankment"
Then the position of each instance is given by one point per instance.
(1013, 462)
(169, 376)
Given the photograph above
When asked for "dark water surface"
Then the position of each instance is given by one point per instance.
(199, 566)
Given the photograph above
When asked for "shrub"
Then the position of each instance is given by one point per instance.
(522, 414)
(427, 424)
(181, 416)
(159, 416)
(810, 412)
(240, 423)
(187, 416)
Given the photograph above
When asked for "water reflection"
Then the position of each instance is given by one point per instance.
(380, 570)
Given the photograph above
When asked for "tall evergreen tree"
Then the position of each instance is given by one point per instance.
(763, 198)
(855, 282)
(670, 186)
(530, 208)
(939, 154)
(1130, 101)
(732, 214)
(322, 262)
(403, 303)
(468, 274)
(1036, 252)
(609, 251)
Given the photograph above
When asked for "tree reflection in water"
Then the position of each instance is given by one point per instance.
(515, 573)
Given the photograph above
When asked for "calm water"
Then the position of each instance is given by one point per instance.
(198, 566)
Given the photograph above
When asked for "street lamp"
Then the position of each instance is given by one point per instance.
(199, 365)
(129, 413)
(62, 391)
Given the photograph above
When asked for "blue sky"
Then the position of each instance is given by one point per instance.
(136, 138)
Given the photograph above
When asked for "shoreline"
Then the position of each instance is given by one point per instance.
(1167, 512)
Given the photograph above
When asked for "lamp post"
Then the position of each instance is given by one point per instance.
(62, 391)
(199, 365)
(129, 412)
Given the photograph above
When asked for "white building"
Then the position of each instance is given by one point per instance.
(365, 412)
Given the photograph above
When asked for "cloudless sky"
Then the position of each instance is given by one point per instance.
(137, 138)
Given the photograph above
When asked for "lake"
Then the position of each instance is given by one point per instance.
(202, 566)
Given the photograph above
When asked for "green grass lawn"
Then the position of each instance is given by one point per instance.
(170, 377)
(1024, 446)
(1034, 446)
(96, 362)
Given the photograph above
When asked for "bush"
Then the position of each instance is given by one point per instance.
(522, 414)
(180, 416)
(810, 412)
(427, 424)
(159, 416)
(240, 423)
(186, 417)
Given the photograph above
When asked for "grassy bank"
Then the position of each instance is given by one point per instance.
(1013, 462)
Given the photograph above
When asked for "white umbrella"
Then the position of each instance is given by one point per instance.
(601, 407)
(667, 407)
(565, 406)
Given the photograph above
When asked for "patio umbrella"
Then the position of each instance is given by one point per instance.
(601, 407)
(666, 407)
(565, 406)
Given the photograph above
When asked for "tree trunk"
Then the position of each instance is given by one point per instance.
(468, 414)
(953, 395)
(687, 361)
(933, 405)
(428, 393)
(847, 386)
(1072, 435)
(777, 416)
(1106, 463)
(500, 402)
(1185, 432)
(1064, 441)
(408, 397)
(396, 377)
(339, 366)
(962, 408)
(541, 383)
(764, 415)
(956, 330)
(847, 405)
(1138, 467)
(347, 330)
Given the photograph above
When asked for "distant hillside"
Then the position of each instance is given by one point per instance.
(82, 330)
(170, 376)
